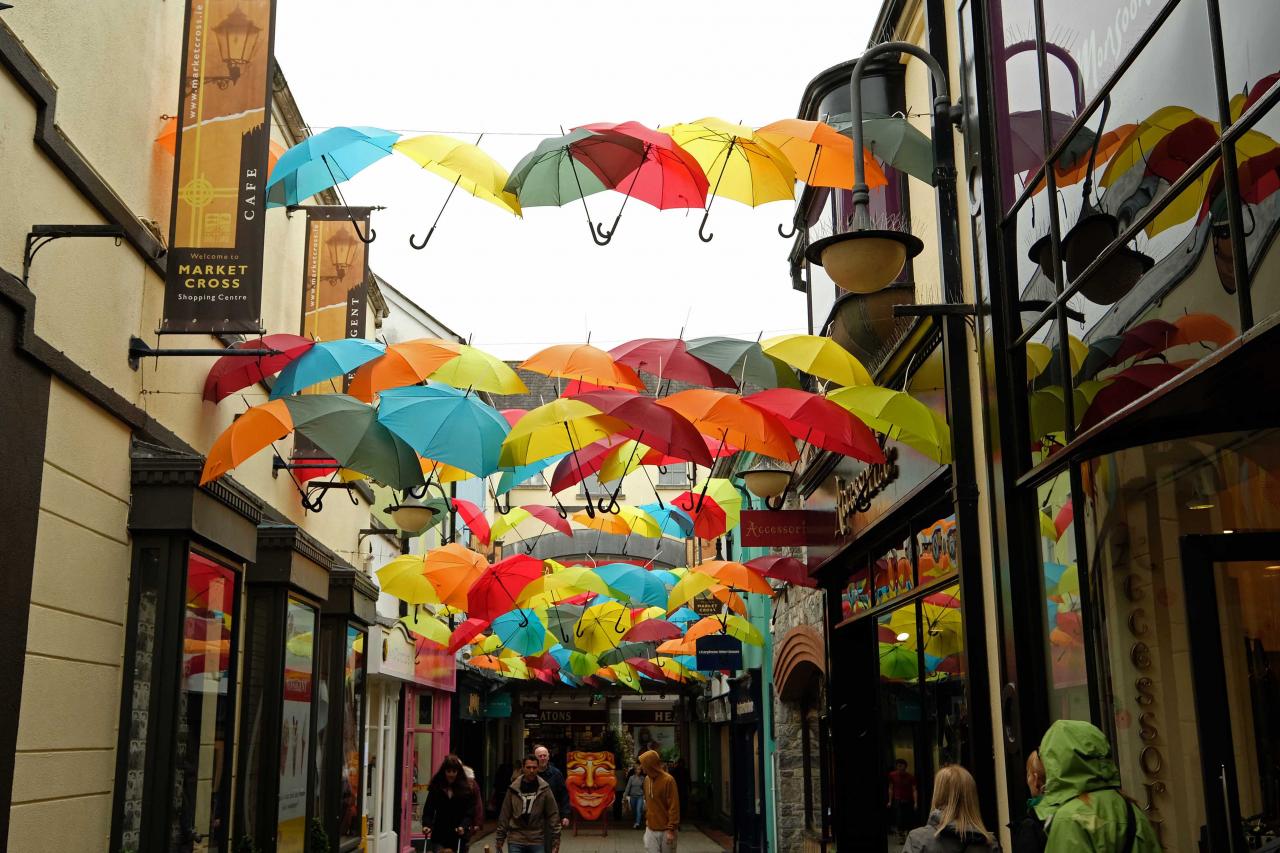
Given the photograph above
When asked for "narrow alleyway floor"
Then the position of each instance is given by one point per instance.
(620, 840)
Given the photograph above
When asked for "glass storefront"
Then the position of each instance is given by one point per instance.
(295, 733)
(353, 682)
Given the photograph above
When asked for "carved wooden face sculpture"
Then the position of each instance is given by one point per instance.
(591, 779)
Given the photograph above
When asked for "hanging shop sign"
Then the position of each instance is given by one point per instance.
(213, 274)
(409, 657)
(498, 706)
(661, 716)
(856, 495)
(718, 651)
(573, 716)
(705, 605)
(767, 528)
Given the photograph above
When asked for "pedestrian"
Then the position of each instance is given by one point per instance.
(955, 821)
(661, 806)
(903, 802)
(635, 796)
(1028, 833)
(1083, 808)
(555, 779)
(450, 807)
(529, 815)
(477, 817)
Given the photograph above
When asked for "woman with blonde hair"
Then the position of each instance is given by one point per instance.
(955, 821)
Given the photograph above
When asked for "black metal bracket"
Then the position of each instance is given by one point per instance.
(278, 465)
(140, 349)
(966, 310)
(378, 531)
(313, 497)
(42, 235)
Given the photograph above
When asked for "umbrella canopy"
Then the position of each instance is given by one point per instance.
(735, 575)
(627, 650)
(566, 581)
(653, 630)
(740, 163)
(521, 631)
(247, 434)
(403, 577)
(476, 369)
(564, 169)
(732, 625)
(573, 468)
(899, 416)
(452, 570)
(900, 144)
(816, 420)
(323, 361)
(545, 514)
(231, 373)
(727, 418)
(427, 626)
(626, 521)
(501, 586)
(325, 160)
(820, 357)
(560, 621)
(473, 517)
(668, 177)
(744, 361)
(563, 425)
(898, 662)
(446, 425)
(1126, 387)
(602, 627)
(668, 358)
(657, 426)
(633, 584)
(714, 510)
(464, 165)
(673, 520)
(687, 589)
(584, 363)
(783, 568)
(820, 154)
(403, 364)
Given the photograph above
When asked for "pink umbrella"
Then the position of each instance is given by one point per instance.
(783, 568)
(667, 358)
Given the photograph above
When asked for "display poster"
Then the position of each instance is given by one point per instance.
(592, 782)
(295, 734)
(661, 738)
(213, 272)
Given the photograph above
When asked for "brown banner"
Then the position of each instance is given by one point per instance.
(214, 266)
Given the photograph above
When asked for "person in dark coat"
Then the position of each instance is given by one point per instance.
(449, 811)
(555, 779)
(955, 821)
(1029, 835)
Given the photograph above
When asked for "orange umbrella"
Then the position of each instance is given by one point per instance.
(168, 140)
(734, 574)
(584, 363)
(489, 662)
(403, 364)
(249, 433)
(820, 154)
(727, 596)
(727, 418)
(1073, 172)
(452, 569)
(1198, 328)
(682, 646)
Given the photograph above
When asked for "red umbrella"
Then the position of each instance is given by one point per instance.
(1145, 340)
(727, 418)
(233, 372)
(1125, 387)
(1063, 519)
(652, 630)
(783, 568)
(514, 415)
(648, 668)
(709, 520)
(942, 599)
(575, 468)
(473, 518)
(1258, 177)
(668, 358)
(816, 420)
(550, 517)
(653, 425)
(1180, 148)
(498, 587)
(466, 632)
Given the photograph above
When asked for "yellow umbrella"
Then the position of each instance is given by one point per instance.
(477, 369)
(942, 628)
(624, 522)
(464, 164)
(688, 588)
(426, 625)
(1144, 137)
(899, 416)
(621, 461)
(733, 625)
(560, 426)
(403, 577)
(818, 356)
(742, 164)
(734, 575)
(443, 471)
(565, 583)
(626, 673)
(601, 627)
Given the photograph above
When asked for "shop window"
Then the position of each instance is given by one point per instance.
(937, 549)
(1251, 36)
(295, 733)
(902, 718)
(892, 573)
(1016, 79)
(1064, 617)
(353, 680)
(858, 595)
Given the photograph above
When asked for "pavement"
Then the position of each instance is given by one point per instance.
(621, 839)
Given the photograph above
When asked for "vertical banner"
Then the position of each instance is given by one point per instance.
(213, 280)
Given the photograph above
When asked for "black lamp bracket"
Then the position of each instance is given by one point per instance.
(140, 349)
(42, 235)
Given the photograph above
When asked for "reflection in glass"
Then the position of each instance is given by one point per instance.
(1068, 681)
(946, 668)
(901, 718)
(1016, 83)
(204, 704)
(857, 597)
(937, 550)
(1258, 178)
(1251, 34)
(352, 702)
(892, 573)
(295, 733)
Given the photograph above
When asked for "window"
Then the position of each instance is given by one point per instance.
(592, 487)
(352, 722)
(295, 734)
(673, 476)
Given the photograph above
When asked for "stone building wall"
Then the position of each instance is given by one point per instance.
(795, 606)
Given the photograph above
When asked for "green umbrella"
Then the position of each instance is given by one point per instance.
(562, 619)
(582, 664)
(894, 140)
(627, 651)
(897, 662)
(745, 361)
(348, 430)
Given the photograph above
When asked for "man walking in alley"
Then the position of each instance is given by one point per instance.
(529, 815)
(661, 806)
(555, 779)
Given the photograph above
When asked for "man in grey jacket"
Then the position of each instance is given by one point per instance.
(529, 815)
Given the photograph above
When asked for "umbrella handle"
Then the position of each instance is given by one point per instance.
(706, 238)
(608, 235)
(611, 507)
(787, 235)
(373, 235)
(425, 240)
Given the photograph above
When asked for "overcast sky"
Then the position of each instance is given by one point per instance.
(519, 71)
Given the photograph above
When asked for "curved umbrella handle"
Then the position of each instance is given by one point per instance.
(315, 504)
(607, 235)
(524, 618)
(787, 235)
(706, 238)
(427, 239)
(578, 632)
(596, 238)
(610, 507)
(373, 235)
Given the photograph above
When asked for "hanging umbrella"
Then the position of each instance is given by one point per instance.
(489, 662)
(743, 166)
(732, 625)
(473, 517)
(1126, 387)
(727, 418)
(1144, 340)
(231, 373)
(674, 670)
(1203, 328)
(451, 570)
(816, 420)
(444, 472)
(466, 633)
(668, 177)
(403, 364)
(899, 416)
(403, 577)
(672, 520)
(568, 168)
(475, 369)
(782, 568)
(653, 630)
(660, 427)
(602, 627)
(678, 646)
(687, 589)
(716, 508)
(585, 363)
(247, 434)
(898, 662)
(682, 616)
(501, 586)
(560, 621)
(573, 468)
(520, 631)
(464, 164)
(323, 361)
(446, 425)
(820, 357)
(744, 361)
(570, 580)
(647, 669)
(561, 426)
(633, 584)
(626, 521)
(427, 626)
(669, 358)
(896, 141)
(512, 476)
(734, 575)
(516, 515)
(627, 651)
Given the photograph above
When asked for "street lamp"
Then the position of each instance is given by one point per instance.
(341, 248)
(412, 517)
(768, 480)
(237, 37)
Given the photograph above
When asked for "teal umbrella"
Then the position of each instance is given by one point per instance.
(745, 361)
(446, 425)
(633, 584)
(521, 631)
(512, 477)
(348, 430)
(672, 520)
(326, 360)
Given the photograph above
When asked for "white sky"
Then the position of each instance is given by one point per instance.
(528, 68)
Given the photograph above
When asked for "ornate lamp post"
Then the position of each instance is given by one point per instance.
(237, 37)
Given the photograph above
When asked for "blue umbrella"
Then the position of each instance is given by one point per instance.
(325, 160)
(325, 360)
(672, 519)
(512, 477)
(668, 578)
(447, 425)
(521, 631)
(634, 584)
(684, 614)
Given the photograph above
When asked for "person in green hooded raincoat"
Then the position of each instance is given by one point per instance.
(1083, 807)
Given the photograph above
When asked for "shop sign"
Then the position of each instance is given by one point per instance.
(705, 605)
(213, 270)
(767, 528)
(658, 716)
(469, 705)
(573, 716)
(335, 276)
(856, 495)
(498, 706)
(409, 657)
(718, 711)
(718, 651)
